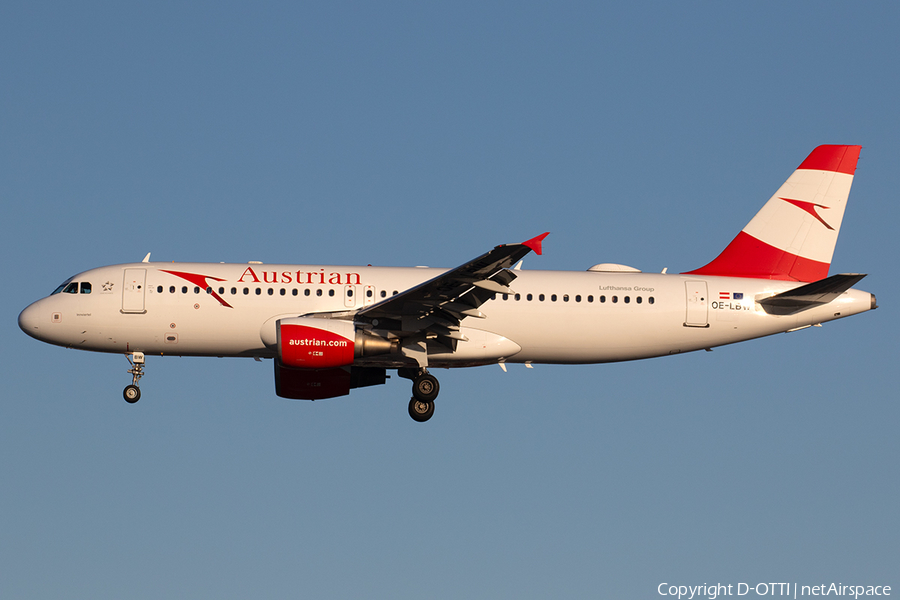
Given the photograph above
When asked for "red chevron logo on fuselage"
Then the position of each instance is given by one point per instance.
(200, 281)
(811, 209)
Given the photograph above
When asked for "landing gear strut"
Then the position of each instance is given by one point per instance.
(425, 389)
(132, 393)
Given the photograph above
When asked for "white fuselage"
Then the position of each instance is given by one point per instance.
(553, 317)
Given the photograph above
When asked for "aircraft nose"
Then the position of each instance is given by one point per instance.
(29, 321)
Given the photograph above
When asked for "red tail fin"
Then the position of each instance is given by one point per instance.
(793, 236)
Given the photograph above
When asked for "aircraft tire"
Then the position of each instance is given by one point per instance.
(420, 411)
(131, 393)
(426, 387)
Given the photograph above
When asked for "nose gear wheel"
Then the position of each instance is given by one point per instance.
(132, 393)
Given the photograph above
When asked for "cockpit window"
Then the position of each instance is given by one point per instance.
(62, 286)
(71, 287)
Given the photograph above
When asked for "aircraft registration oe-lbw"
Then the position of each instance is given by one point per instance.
(332, 329)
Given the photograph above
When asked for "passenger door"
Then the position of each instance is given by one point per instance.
(133, 291)
(697, 304)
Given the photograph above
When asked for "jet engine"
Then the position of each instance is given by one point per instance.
(315, 343)
(318, 384)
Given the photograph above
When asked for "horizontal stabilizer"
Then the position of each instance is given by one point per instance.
(809, 295)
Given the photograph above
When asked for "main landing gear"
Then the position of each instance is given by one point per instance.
(425, 389)
(132, 393)
(420, 411)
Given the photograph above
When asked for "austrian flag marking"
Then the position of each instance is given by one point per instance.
(731, 295)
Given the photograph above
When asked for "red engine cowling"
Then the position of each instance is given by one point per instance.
(310, 343)
(318, 384)
(313, 343)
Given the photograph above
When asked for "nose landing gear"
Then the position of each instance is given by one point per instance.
(132, 393)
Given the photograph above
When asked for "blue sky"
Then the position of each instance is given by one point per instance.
(419, 133)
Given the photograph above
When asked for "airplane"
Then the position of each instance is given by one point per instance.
(331, 329)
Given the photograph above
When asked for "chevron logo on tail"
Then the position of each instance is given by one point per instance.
(811, 209)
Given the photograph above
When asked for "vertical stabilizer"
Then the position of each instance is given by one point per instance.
(793, 237)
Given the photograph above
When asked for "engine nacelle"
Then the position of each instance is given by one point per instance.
(318, 384)
(313, 343)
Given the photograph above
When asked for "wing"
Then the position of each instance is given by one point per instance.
(435, 308)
